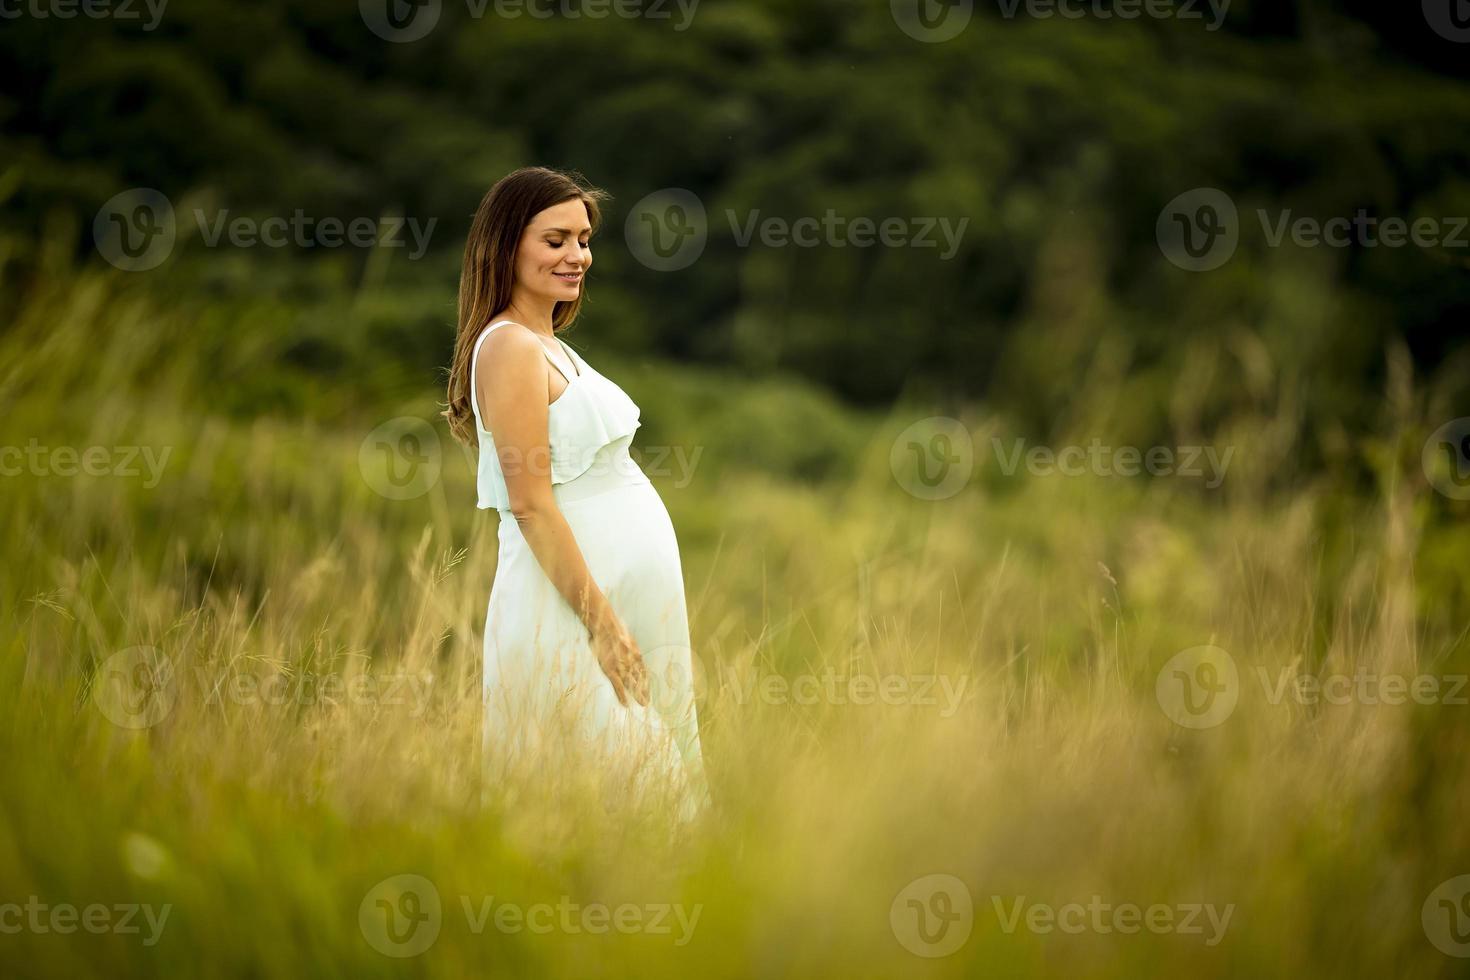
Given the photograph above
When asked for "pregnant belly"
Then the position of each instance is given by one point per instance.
(624, 534)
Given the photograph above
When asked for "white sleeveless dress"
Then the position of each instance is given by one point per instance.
(548, 704)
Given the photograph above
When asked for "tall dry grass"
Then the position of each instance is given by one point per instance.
(316, 727)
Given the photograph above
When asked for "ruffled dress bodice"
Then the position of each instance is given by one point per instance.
(592, 413)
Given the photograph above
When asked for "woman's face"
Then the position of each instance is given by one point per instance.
(554, 253)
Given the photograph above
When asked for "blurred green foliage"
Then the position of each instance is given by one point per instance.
(1059, 140)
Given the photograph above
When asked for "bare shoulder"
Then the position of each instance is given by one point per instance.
(508, 351)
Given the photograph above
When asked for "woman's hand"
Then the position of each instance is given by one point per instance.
(618, 655)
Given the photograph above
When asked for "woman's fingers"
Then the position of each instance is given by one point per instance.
(615, 676)
(640, 680)
(627, 672)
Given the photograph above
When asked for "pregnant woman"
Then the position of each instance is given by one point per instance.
(588, 667)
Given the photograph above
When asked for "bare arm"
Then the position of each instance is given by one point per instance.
(511, 384)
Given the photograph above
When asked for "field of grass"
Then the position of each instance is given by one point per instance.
(946, 737)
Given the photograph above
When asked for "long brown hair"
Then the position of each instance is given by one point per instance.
(488, 273)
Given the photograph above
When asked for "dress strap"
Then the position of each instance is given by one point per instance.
(558, 366)
(571, 357)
